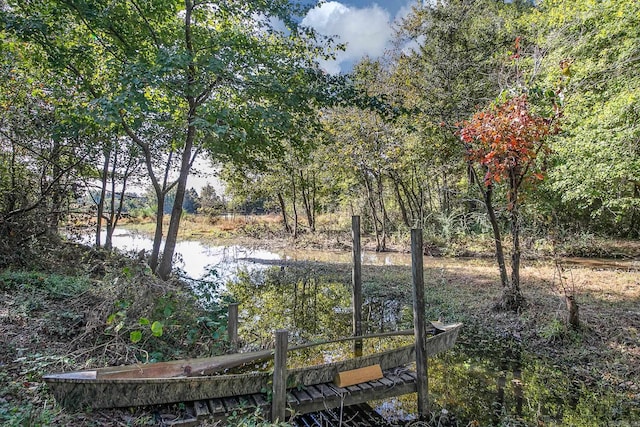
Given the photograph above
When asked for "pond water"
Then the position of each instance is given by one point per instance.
(197, 259)
(491, 382)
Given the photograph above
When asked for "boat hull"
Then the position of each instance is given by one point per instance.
(101, 388)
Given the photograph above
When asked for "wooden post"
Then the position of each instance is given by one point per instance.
(232, 326)
(279, 395)
(419, 324)
(356, 277)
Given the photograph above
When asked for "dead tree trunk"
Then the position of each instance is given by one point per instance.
(573, 316)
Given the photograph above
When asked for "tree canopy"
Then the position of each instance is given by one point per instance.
(87, 83)
(181, 77)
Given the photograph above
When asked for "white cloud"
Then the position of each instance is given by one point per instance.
(405, 10)
(366, 31)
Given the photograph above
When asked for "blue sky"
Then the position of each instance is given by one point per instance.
(365, 25)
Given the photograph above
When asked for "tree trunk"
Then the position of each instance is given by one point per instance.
(446, 203)
(471, 177)
(374, 213)
(634, 229)
(512, 298)
(313, 201)
(116, 212)
(56, 190)
(573, 317)
(383, 211)
(157, 237)
(504, 278)
(295, 208)
(108, 244)
(306, 202)
(283, 209)
(103, 193)
(400, 200)
(164, 269)
(12, 197)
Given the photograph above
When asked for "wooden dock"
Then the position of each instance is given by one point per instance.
(206, 391)
(322, 404)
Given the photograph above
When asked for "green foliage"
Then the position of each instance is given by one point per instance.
(53, 285)
(594, 179)
(75, 78)
(210, 201)
(167, 329)
(179, 78)
(554, 330)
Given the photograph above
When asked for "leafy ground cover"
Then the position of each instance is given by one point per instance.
(81, 308)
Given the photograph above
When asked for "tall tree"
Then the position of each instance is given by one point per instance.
(120, 163)
(447, 61)
(181, 77)
(365, 140)
(211, 203)
(504, 141)
(42, 150)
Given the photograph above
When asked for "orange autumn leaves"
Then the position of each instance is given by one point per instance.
(505, 139)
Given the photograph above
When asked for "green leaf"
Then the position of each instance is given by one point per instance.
(135, 336)
(111, 318)
(143, 321)
(168, 310)
(156, 329)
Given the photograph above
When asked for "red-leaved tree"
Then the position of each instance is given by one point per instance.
(503, 142)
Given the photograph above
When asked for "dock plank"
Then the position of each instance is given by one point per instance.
(216, 407)
(314, 392)
(230, 404)
(201, 408)
(390, 385)
(302, 396)
(326, 390)
(354, 388)
(260, 399)
(326, 398)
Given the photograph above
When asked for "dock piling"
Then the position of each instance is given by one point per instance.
(279, 395)
(419, 325)
(357, 285)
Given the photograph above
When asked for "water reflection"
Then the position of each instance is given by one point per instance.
(197, 259)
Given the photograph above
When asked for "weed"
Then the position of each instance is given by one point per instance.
(257, 419)
(553, 331)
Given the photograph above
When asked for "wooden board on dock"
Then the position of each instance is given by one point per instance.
(318, 397)
(357, 376)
